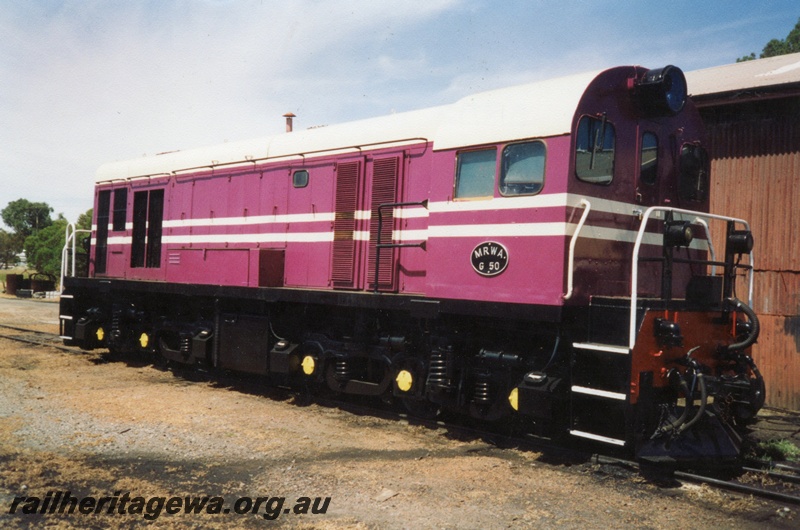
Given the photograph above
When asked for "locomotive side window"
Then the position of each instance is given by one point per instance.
(522, 171)
(155, 218)
(694, 173)
(649, 159)
(138, 243)
(148, 215)
(594, 150)
(101, 247)
(120, 209)
(300, 179)
(475, 174)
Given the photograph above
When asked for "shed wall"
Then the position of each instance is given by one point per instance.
(755, 169)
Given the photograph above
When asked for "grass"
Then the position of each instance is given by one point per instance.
(13, 270)
(779, 450)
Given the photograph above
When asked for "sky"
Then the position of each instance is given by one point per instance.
(86, 82)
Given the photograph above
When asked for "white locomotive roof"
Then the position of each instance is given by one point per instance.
(533, 110)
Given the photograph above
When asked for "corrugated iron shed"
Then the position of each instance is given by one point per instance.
(752, 112)
(760, 78)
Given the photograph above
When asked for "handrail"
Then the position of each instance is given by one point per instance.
(571, 259)
(69, 244)
(379, 246)
(638, 244)
(704, 224)
(253, 160)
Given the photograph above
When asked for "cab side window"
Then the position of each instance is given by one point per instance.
(693, 183)
(594, 150)
(649, 159)
(475, 174)
(522, 170)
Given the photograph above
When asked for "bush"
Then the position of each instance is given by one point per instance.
(43, 249)
(779, 450)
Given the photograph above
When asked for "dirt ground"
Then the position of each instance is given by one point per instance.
(99, 427)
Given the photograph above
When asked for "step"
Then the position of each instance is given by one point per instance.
(596, 346)
(597, 438)
(596, 392)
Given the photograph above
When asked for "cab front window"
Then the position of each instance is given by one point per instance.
(693, 183)
(475, 174)
(522, 169)
(594, 150)
(649, 159)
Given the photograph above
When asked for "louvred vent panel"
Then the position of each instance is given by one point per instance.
(384, 191)
(344, 224)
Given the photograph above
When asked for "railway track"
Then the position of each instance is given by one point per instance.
(774, 486)
(761, 482)
(35, 338)
(765, 480)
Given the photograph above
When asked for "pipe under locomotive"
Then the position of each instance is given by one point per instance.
(542, 255)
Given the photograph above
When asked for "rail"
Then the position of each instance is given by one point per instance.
(380, 246)
(302, 154)
(704, 224)
(637, 246)
(69, 245)
(587, 206)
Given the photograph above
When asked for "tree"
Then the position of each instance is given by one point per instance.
(775, 47)
(26, 217)
(84, 221)
(43, 249)
(9, 249)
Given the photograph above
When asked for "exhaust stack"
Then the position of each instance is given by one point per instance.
(289, 117)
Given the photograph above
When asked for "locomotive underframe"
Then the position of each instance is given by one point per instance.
(433, 355)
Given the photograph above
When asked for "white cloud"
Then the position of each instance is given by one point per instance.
(88, 82)
(83, 82)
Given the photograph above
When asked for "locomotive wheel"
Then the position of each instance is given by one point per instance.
(422, 408)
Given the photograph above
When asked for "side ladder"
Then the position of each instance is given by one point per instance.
(599, 394)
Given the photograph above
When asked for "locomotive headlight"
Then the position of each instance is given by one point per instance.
(100, 334)
(678, 234)
(740, 241)
(144, 340)
(662, 91)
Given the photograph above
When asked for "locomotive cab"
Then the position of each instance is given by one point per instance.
(662, 357)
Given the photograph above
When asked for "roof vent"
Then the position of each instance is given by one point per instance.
(289, 117)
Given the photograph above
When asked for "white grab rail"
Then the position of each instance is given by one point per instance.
(704, 224)
(69, 244)
(638, 244)
(571, 260)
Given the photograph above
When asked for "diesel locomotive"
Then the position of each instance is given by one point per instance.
(542, 255)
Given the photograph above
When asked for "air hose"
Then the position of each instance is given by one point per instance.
(752, 336)
(677, 423)
(701, 382)
(680, 425)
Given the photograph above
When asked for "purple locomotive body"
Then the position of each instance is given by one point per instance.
(485, 256)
